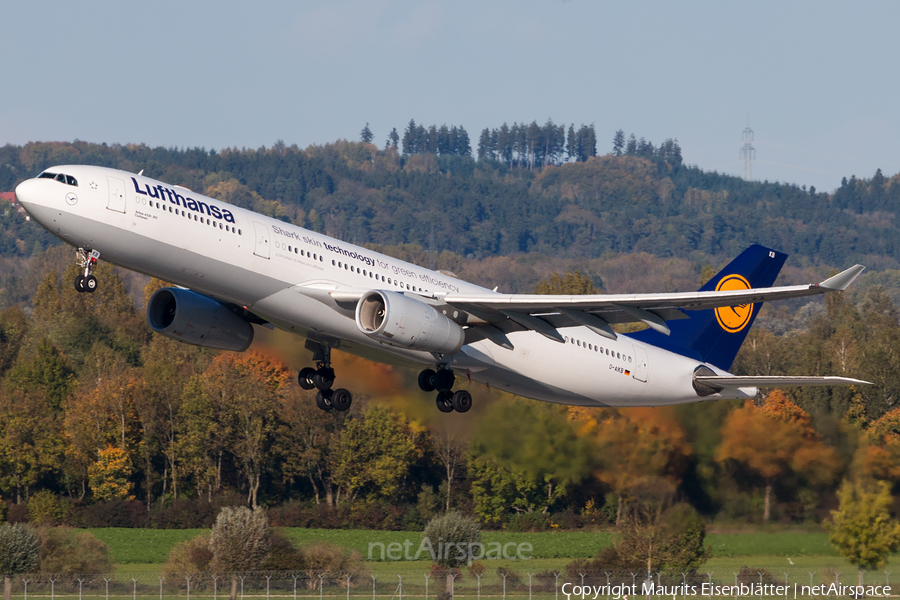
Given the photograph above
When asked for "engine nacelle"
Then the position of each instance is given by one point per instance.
(189, 317)
(401, 321)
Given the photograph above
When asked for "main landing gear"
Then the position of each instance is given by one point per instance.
(442, 381)
(322, 378)
(87, 259)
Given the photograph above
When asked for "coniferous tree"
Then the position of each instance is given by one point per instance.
(619, 143)
(366, 134)
(570, 144)
(631, 149)
(411, 138)
(393, 139)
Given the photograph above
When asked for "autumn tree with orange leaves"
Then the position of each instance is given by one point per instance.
(774, 440)
(635, 447)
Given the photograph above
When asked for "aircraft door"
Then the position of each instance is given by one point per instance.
(116, 194)
(262, 240)
(641, 367)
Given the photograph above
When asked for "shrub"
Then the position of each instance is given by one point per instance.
(65, 550)
(18, 553)
(17, 512)
(46, 508)
(283, 555)
(528, 522)
(240, 539)
(513, 578)
(191, 513)
(452, 528)
(330, 561)
(114, 513)
(753, 574)
(188, 558)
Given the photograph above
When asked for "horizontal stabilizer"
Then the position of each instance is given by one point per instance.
(733, 381)
(842, 280)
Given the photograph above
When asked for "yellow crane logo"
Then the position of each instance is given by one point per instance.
(733, 318)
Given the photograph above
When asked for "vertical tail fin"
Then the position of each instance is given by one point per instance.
(716, 335)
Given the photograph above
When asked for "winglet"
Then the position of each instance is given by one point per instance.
(842, 280)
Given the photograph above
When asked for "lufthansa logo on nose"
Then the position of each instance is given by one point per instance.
(733, 318)
(71, 198)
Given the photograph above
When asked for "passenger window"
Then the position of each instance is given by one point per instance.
(71, 180)
(629, 359)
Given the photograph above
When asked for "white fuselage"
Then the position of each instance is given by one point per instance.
(274, 269)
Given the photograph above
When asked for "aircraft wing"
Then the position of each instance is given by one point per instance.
(546, 313)
(733, 381)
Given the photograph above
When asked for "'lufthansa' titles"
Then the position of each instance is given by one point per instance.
(164, 193)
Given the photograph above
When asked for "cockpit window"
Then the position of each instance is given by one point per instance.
(67, 179)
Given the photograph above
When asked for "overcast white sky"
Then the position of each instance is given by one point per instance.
(818, 79)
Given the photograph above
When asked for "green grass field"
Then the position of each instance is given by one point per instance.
(143, 546)
(800, 557)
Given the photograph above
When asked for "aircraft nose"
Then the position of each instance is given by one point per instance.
(26, 193)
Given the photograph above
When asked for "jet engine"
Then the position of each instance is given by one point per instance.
(189, 317)
(402, 321)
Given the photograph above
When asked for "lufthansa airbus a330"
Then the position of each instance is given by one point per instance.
(236, 268)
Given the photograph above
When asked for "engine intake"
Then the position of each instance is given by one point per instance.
(189, 317)
(402, 321)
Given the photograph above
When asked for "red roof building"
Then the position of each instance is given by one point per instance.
(11, 196)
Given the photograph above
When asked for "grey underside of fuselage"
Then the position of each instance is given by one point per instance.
(274, 300)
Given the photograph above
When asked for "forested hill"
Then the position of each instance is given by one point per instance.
(478, 208)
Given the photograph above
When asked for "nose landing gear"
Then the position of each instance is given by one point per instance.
(86, 282)
(442, 380)
(322, 378)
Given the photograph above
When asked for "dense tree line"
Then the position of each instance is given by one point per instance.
(98, 411)
(535, 146)
(442, 141)
(607, 204)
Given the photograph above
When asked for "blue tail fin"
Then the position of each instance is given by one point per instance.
(716, 335)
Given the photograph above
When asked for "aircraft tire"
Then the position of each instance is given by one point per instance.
(443, 380)
(324, 378)
(444, 403)
(323, 400)
(79, 283)
(462, 401)
(341, 399)
(306, 378)
(90, 284)
(426, 380)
